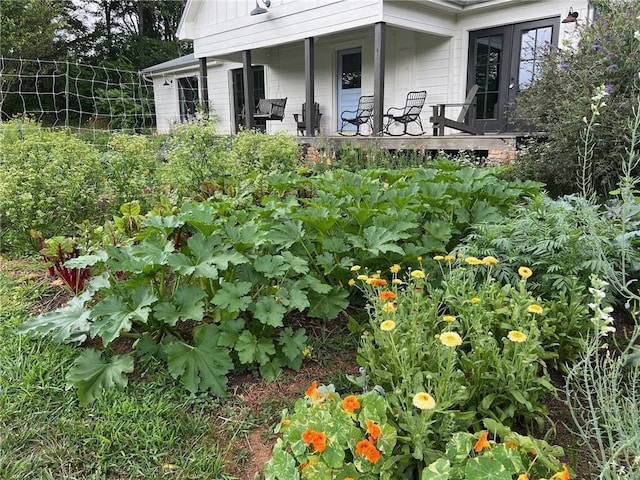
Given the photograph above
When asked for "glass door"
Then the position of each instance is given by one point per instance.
(504, 61)
(238, 95)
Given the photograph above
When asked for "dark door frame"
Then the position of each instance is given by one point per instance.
(508, 81)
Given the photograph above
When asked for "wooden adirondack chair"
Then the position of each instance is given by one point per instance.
(440, 121)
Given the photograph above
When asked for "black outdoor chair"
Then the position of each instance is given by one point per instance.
(409, 114)
(301, 119)
(440, 121)
(364, 114)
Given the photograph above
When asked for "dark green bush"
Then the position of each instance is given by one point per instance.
(607, 55)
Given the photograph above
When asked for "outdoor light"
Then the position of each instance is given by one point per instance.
(571, 17)
(259, 10)
(167, 83)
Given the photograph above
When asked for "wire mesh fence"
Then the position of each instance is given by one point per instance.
(75, 95)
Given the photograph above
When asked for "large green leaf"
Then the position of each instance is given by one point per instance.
(329, 306)
(271, 266)
(69, 323)
(485, 468)
(204, 365)
(286, 233)
(253, 349)
(91, 375)
(378, 240)
(115, 314)
(281, 466)
(269, 311)
(233, 296)
(292, 343)
(187, 303)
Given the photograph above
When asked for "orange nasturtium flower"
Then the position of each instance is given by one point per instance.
(313, 392)
(373, 430)
(368, 449)
(317, 439)
(563, 475)
(350, 403)
(386, 295)
(482, 442)
(511, 445)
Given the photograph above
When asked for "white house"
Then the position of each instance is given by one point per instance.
(333, 51)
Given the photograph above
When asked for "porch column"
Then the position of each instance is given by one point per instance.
(378, 76)
(310, 119)
(204, 87)
(247, 80)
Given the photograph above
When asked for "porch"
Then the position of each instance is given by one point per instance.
(502, 147)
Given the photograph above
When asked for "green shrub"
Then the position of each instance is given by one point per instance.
(49, 181)
(560, 100)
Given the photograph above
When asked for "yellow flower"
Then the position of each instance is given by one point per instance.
(490, 260)
(525, 272)
(388, 307)
(516, 336)
(363, 277)
(355, 268)
(396, 281)
(563, 475)
(475, 300)
(450, 339)
(473, 261)
(395, 268)
(537, 309)
(417, 274)
(351, 282)
(460, 255)
(523, 476)
(437, 258)
(424, 401)
(449, 258)
(449, 318)
(387, 325)
(306, 351)
(419, 259)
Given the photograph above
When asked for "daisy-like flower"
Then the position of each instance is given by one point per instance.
(449, 318)
(516, 336)
(417, 274)
(424, 401)
(351, 282)
(450, 339)
(350, 403)
(387, 325)
(460, 255)
(473, 261)
(386, 295)
(373, 430)
(438, 258)
(388, 307)
(396, 281)
(363, 277)
(525, 272)
(395, 268)
(377, 282)
(482, 442)
(475, 300)
(355, 268)
(449, 258)
(490, 260)
(537, 309)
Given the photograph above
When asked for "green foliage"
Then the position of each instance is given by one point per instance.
(559, 102)
(471, 344)
(49, 181)
(353, 438)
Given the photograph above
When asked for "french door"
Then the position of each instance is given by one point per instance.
(503, 61)
(238, 94)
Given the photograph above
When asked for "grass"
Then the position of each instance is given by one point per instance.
(152, 430)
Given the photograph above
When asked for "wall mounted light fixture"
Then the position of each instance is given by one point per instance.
(571, 17)
(167, 82)
(260, 10)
